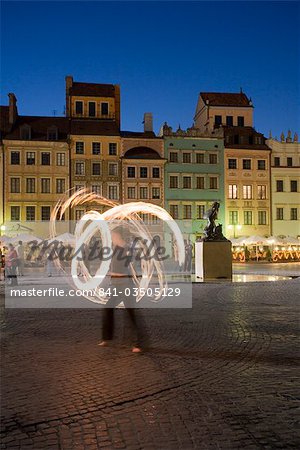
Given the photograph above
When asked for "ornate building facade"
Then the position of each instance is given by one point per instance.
(285, 186)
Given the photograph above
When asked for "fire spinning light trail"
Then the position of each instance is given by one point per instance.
(92, 223)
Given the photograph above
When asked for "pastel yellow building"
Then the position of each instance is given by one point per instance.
(285, 175)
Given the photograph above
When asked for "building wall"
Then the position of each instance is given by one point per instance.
(152, 184)
(283, 224)
(37, 171)
(193, 196)
(205, 115)
(104, 180)
(241, 177)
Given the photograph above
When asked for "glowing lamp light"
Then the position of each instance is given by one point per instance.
(2, 227)
(239, 227)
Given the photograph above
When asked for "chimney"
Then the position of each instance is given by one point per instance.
(13, 111)
(69, 84)
(148, 122)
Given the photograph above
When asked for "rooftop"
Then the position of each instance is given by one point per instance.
(226, 99)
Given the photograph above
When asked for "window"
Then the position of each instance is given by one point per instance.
(294, 186)
(30, 213)
(79, 148)
(143, 192)
(156, 193)
(233, 217)
(45, 159)
(52, 134)
(15, 158)
(79, 107)
(14, 213)
(229, 121)
(240, 121)
(15, 185)
(95, 168)
(187, 211)
(112, 148)
(213, 158)
(279, 213)
(261, 192)
(173, 182)
(45, 212)
(187, 183)
(232, 191)
(112, 169)
(213, 183)
(143, 172)
(113, 192)
(247, 217)
(92, 109)
(60, 159)
(262, 218)
(96, 188)
(247, 164)
(173, 157)
(261, 164)
(78, 187)
(289, 162)
(257, 140)
(131, 192)
(200, 211)
(45, 185)
(174, 211)
(200, 183)
(30, 185)
(155, 172)
(79, 168)
(294, 214)
(277, 161)
(30, 158)
(200, 158)
(96, 148)
(25, 132)
(60, 185)
(104, 109)
(247, 192)
(279, 185)
(232, 163)
(131, 172)
(78, 214)
(218, 120)
(186, 158)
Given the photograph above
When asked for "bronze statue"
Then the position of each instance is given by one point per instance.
(213, 232)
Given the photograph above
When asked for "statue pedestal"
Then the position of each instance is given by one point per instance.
(213, 260)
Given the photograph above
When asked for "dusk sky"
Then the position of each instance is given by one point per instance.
(161, 53)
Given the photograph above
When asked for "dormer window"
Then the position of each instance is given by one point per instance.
(52, 134)
(104, 109)
(25, 132)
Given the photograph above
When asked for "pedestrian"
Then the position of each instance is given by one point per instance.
(49, 264)
(11, 262)
(20, 252)
(188, 249)
(121, 281)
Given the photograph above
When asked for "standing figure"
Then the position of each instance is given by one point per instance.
(188, 249)
(20, 252)
(11, 263)
(121, 280)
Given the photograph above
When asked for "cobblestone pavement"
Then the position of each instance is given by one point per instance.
(222, 375)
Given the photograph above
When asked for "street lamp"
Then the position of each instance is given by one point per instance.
(234, 227)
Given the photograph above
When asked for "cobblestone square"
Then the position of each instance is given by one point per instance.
(222, 375)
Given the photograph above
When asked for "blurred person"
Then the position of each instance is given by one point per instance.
(11, 264)
(20, 252)
(121, 279)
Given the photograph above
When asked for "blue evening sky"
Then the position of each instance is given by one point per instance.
(161, 53)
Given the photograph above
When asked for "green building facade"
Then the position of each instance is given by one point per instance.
(194, 177)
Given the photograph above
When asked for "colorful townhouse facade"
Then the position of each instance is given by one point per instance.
(285, 185)
(247, 168)
(194, 177)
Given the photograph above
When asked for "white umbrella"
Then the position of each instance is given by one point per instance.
(238, 241)
(256, 240)
(291, 240)
(25, 238)
(275, 240)
(66, 238)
